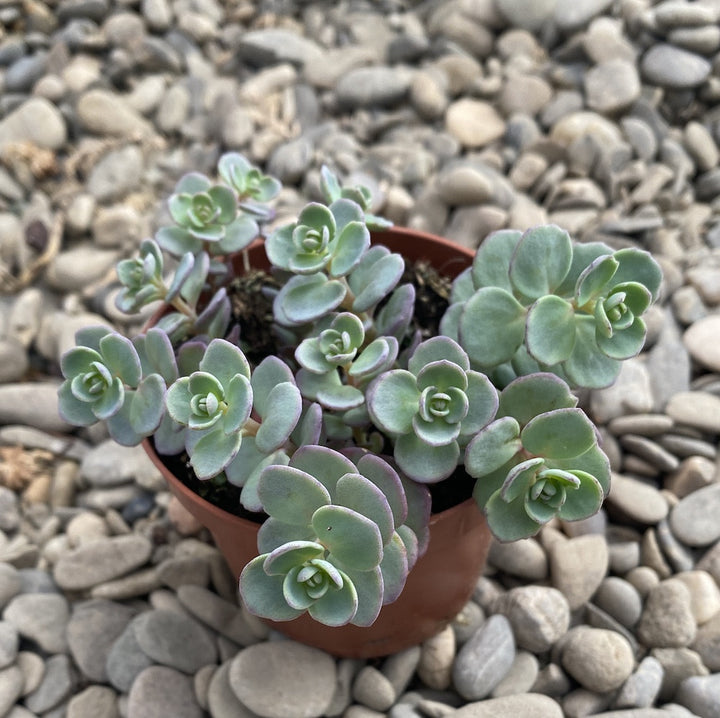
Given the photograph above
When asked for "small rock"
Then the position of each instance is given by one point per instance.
(620, 599)
(578, 566)
(700, 340)
(701, 694)
(283, 679)
(694, 519)
(94, 702)
(125, 661)
(163, 636)
(704, 594)
(462, 185)
(612, 86)
(372, 689)
(32, 404)
(93, 628)
(698, 409)
(678, 664)
(116, 174)
(109, 464)
(36, 121)
(641, 689)
(707, 643)
(485, 659)
(637, 500)
(667, 620)
(598, 659)
(528, 705)
(474, 123)
(372, 87)
(56, 685)
(528, 17)
(106, 113)
(673, 67)
(539, 616)
(11, 687)
(9, 644)
(40, 617)
(572, 15)
(160, 691)
(524, 558)
(101, 560)
(520, 678)
(75, 268)
(221, 699)
(436, 660)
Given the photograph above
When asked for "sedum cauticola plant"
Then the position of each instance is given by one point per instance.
(338, 438)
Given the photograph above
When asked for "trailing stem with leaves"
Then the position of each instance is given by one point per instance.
(338, 437)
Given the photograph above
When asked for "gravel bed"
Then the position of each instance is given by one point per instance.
(462, 117)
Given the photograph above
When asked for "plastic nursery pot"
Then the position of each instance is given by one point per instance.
(442, 580)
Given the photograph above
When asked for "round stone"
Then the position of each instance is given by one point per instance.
(528, 16)
(673, 67)
(694, 520)
(637, 500)
(94, 702)
(698, 409)
(578, 566)
(165, 635)
(283, 679)
(36, 121)
(528, 705)
(436, 660)
(667, 619)
(485, 659)
(474, 123)
(612, 86)
(41, 617)
(372, 689)
(701, 694)
(100, 561)
(597, 658)
(539, 616)
(620, 599)
(93, 628)
(105, 113)
(461, 185)
(701, 341)
(524, 558)
(159, 692)
(9, 643)
(372, 87)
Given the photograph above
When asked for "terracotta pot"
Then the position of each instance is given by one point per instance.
(443, 579)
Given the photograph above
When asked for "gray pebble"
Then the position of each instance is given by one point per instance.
(272, 45)
(694, 519)
(74, 269)
(56, 685)
(578, 566)
(9, 644)
(116, 174)
(571, 15)
(372, 689)
(485, 659)
(529, 17)
(109, 464)
(520, 678)
(94, 702)
(700, 341)
(125, 660)
(474, 123)
(678, 664)
(620, 599)
(91, 632)
(600, 660)
(612, 86)
(698, 409)
(672, 67)
(11, 687)
(701, 694)
(32, 404)
(667, 620)
(372, 87)
(436, 659)
(641, 689)
(221, 699)
(539, 616)
(525, 558)
(101, 560)
(164, 635)
(529, 704)
(40, 617)
(158, 691)
(283, 679)
(638, 500)
(107, 114)
(37, 121)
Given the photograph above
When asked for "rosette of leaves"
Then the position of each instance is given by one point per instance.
(206, 219)
(432, 408)
(336, 364)
(252, 187)
(339, 541)
(216, 401)
(328, 251)
(332, 190)
(539, 459)
(534, 301)
(104, 381)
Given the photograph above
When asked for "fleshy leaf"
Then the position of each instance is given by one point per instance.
(587, 367)
(639, 266)
(393, 400)
(291, 495)
(394, 567)
(356, 492)
(305, 298)
(583, 501)
(121, 358)
(438, 348)
(594, 279)
(550, 330)
(509, 521)
(353, 538)
(224, 360)
(559, 434)
(213, 452)
(284, 408)
(262, 595)
(542, 258)
(492, 326)
(492, 447)
(528, 396)
(491, 265)
(423, 463)
(624, 343)
(338, 606)
(147, 405)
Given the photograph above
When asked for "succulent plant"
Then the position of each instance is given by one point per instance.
(336, 544)
(574, 310)
(338, 437)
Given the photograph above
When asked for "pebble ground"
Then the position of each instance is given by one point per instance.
(463, 116)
